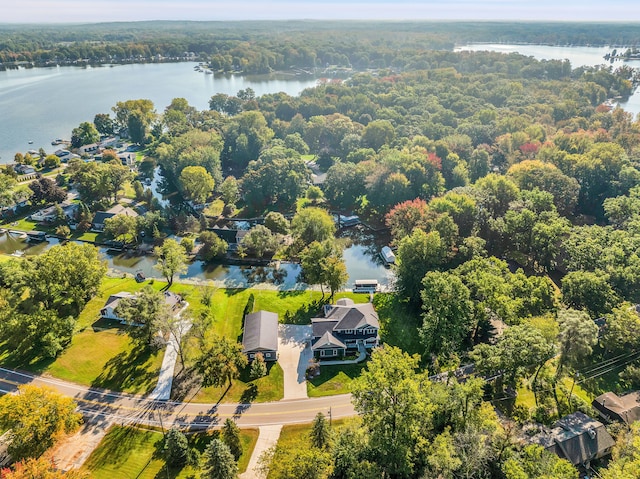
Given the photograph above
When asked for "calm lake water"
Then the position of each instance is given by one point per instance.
(361, 259)
(41, 104)
(578, 56)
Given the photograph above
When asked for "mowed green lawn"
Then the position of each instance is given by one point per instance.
(334, 379)
(101, 353)
(130, 453)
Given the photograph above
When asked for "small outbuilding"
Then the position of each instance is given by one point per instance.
(612, 407)
(260, 335)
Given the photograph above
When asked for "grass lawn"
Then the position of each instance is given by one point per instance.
(398, 324)
(334, 379)
(268, 388)
(130, 453)
(296, 437)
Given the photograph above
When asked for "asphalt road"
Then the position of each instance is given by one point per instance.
(99, 405)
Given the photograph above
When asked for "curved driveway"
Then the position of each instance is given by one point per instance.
(113, 407)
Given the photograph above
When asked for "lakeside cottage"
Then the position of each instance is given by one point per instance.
(174, 302)
(260, 335)
(346, 327)
(97, 224)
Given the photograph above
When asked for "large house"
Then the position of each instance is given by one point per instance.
(346, 326)
(260, 335)
(108, 311)
(48, 215)
(612, 407)
(577, 438)
(97, 224)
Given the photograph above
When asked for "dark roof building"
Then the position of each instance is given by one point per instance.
(345, 325)
(612, 407)
(577, 438)
(260, 335)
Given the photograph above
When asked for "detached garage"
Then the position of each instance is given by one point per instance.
(261, 335)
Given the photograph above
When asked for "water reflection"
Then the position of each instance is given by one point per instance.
(361, 258)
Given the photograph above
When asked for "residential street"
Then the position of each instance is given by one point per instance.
(111, 407)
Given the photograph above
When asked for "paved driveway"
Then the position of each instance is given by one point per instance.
(294, 354)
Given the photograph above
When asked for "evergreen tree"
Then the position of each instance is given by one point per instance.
(176, 448)
(320, 432)
(219, 462)
(231, 437)
(258, 367)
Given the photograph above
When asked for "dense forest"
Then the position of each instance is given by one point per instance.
(509, 186)
(262, 47)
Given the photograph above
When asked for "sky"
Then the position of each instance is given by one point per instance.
(95, 11)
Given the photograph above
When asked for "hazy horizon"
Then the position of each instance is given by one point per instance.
(100, 11)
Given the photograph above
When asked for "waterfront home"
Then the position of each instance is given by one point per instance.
(97, 224)
(108, 311)
(260, 335)
(345, 327)
(24, 169)
(48, 215)
(91, 149)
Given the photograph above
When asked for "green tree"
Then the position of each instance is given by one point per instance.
(51, 162)
(221, 362)
(219, 462)
(212, 246)
(258, 367)
(276, 222)
(196, 183)
(172, 260)
(312, 224)
(578, 334)
(230, 190)
(335, 273)
(378, 133)
(320, 433)
(121, 227)
(417, 254)
(116, 176)
(176, 448)
(103, 123)
(66, 274)
(534, 462)
(448, 317)
(143, 312)
(623, 330)
(394, 410)
(231, 437)
(37, 418)
(260, 241)
(309, 463)
(84, 134)
(589, 290)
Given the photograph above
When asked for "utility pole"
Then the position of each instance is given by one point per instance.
(330, 416)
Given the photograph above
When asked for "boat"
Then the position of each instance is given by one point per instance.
(387, 255)
(18, 253)
(31, 142)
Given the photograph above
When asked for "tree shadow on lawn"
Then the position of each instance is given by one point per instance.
(305, 312)
(128, 369)
(103, 324)
(329, 373)
(117, 447)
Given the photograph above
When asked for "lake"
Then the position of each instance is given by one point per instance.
(361, 259)
(41, 104)
(578, 56)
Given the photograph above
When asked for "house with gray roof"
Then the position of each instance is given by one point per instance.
(346, 326)
(577, 438)
(612, 407)
(260, 335)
